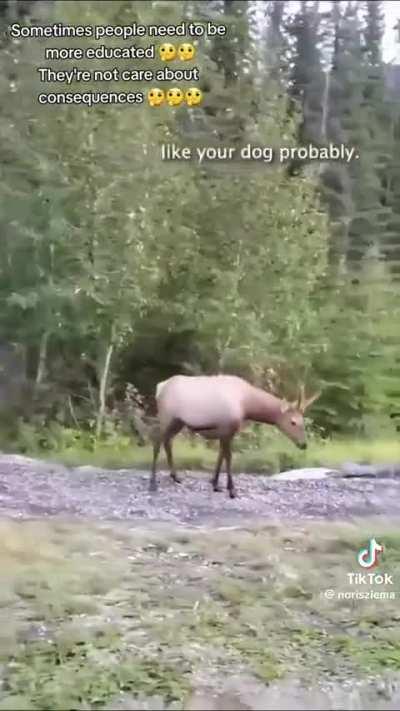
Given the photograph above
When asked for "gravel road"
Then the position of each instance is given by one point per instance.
(37, 489)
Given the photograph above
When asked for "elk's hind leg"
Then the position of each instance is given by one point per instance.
(227, 449)
(215, 478)
(153, 486)
(173, 429)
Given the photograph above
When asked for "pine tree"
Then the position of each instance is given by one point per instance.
(307, 81)
(276, 41)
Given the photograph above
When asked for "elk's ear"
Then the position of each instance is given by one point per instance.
(285, 406)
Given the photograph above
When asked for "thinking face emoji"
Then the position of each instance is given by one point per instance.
(156, 97)
(175, 97)
(186, 51)
(167, 52)
(194, 97)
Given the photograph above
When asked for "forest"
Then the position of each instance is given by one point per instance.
(120, 268)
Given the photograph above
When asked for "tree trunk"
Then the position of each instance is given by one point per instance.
(41, 368)
(325, 104)
(103, 387)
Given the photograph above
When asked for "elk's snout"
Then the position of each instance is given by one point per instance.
(302, 445)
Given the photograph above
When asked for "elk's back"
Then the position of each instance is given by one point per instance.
(201, 401)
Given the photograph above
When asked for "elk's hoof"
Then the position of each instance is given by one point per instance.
(232, 494)
(177, 479)
(217, 488)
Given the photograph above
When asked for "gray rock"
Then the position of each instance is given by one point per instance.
(372, 471)
(306, 473)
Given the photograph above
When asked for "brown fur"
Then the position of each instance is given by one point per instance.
(217, 407)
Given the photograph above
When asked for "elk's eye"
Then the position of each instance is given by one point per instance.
(293, 422)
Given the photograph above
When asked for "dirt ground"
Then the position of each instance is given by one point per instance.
(112, 597)
(30, 488)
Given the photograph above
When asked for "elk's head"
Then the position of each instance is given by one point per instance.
(291, 419)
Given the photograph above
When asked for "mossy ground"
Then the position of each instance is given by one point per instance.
(90, 611)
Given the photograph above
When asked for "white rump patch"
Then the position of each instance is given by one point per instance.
(160, 387)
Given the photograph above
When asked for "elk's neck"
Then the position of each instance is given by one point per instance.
(262, 407)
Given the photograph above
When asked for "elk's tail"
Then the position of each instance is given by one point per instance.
(160, 387)
(146, 427)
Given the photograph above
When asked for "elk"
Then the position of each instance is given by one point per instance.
(217, 407)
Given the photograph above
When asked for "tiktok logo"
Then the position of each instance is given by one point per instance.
(368, 557)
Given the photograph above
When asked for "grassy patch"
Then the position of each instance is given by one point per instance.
(365, 451)
(263, 451)
(62, 674)
(90, 612)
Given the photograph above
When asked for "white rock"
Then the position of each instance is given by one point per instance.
(308, 473)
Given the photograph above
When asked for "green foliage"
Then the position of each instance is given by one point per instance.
(119, 267)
